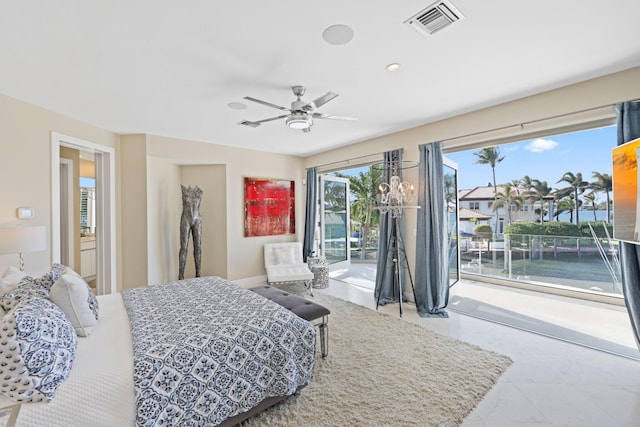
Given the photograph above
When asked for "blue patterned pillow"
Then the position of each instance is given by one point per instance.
(37, 349)
(30, 287)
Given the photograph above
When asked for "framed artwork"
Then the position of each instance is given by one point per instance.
(269, 207)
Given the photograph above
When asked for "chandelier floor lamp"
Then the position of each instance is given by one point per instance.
(394, 198)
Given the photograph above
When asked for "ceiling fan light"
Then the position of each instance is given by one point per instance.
(298, 121)
(395, 66)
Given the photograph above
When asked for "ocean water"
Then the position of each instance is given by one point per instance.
(585, 215)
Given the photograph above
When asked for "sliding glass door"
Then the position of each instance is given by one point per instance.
(451, 196)
(334, 220)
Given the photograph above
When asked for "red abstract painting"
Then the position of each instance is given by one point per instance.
(269, 207)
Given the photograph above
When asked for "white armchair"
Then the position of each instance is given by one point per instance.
(284, 264)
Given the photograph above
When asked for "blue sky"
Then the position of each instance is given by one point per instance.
(545, 159)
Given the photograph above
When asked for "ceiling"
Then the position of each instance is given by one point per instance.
(171, 68)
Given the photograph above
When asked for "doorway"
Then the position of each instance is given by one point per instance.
(362, 201)
(335, 221)
(105, 259)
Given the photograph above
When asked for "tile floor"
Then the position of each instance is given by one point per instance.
(551, 382)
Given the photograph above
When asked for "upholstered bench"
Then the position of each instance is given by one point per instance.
(310, 311)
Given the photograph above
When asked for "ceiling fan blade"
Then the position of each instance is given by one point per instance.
(318, 102)
(268, 104)
(259, 122)
(332, 117)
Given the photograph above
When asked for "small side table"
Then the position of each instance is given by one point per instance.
(320, 270)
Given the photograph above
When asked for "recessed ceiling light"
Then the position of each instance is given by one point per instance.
(237, 105)
(395, 66)
(338, 34)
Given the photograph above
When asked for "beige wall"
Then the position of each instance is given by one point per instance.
(212, 181)
(244, 254)
(513, 119)
(164, 207)
(133, 208)
(87, 168)
(164, 178)
(25, 167)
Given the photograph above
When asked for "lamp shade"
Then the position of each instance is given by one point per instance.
(14, 240)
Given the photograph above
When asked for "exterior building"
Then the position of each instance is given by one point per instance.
(480, 199)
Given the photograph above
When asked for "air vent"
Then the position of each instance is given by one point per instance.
(434, 18)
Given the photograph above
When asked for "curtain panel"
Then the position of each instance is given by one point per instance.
(432, 254)
(384, 292)
(310, 213)
(628, 126)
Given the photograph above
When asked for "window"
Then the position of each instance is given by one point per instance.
(474, 205)
(547, 169)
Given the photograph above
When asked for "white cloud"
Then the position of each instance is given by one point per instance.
(539, 145)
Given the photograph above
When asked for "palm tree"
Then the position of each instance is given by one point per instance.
(526, 182)
(567, 204)
(490, 156)
(576, 187)
(591, 198)
(603, 184)
(450, 191)
(538, 191)
(507, 197)
(364, 189)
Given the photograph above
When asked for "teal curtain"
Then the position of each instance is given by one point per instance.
(310, 213)
(432, 254)
(628, 124)
(385, 291)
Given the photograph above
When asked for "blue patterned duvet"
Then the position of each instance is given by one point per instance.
(206, 349)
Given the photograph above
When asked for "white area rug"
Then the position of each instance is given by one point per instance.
(383, 371)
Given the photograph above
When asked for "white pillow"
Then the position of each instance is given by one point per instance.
(76, 299)
(10, 278)
(284, 256)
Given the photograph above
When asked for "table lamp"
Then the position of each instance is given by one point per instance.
(19, 240)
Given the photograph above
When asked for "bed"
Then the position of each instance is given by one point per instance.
(201, 351)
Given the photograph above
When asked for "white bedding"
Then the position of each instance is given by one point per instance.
(99, 391)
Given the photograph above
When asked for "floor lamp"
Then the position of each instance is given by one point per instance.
(393, 198)
(20, 240)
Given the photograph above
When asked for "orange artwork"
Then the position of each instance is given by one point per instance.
(626, 215)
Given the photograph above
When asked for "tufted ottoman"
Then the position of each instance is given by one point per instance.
(310, 311)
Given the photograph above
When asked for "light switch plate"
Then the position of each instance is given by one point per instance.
(25, 213)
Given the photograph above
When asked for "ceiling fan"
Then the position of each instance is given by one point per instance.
(301, 113)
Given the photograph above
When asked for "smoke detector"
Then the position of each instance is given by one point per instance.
(434, 18)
